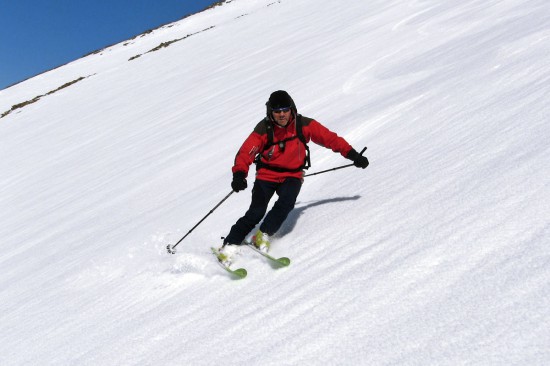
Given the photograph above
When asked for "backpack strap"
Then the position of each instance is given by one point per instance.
(270, 142)
(270, 133)
(300, 133)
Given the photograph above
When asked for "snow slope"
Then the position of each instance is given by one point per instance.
(437, 253)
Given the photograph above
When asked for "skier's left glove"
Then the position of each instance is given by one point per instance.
(359, 161)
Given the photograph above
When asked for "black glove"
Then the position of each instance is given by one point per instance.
(239, 181)
(359, 161)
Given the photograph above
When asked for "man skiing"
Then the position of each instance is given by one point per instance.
(278, 147)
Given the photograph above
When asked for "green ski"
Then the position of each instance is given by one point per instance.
(283, 261)
(239, 272)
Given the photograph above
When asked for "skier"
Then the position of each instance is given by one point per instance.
(278, 147)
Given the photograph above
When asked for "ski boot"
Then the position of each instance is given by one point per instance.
(226, 254)
(261, 241)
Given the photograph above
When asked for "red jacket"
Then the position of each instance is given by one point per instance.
(294, 152)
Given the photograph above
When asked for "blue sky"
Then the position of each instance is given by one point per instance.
(40, 35)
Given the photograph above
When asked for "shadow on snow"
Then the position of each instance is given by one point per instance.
(295, 214)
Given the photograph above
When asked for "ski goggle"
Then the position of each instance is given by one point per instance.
(279, 110)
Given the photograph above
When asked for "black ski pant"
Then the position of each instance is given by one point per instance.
(262, 192)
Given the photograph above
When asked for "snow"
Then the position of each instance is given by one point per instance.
(437, 253)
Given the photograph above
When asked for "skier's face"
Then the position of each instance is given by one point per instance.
(282, 116)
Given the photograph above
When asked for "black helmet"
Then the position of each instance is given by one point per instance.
(280, 99)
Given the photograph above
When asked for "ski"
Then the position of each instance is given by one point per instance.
(239, 272)
(283, 261)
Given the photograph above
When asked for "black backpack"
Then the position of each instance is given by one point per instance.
(270, 142)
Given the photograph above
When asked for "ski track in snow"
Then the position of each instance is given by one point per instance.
(437, 253)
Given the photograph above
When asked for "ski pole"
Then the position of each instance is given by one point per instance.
(339, 167)
(171, 248)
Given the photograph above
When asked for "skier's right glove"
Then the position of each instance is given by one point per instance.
(359, 161)
(239, 181)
